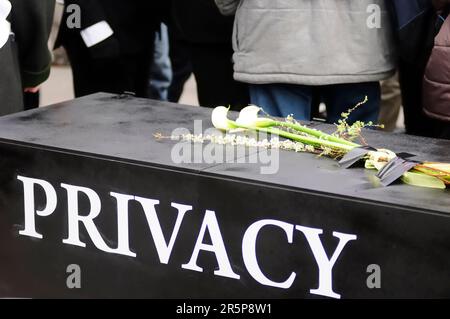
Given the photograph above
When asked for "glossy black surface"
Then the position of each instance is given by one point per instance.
(103, 125)
(107, 144)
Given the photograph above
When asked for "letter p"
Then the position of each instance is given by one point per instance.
(29, 204)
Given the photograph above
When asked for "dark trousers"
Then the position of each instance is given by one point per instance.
(213, 69)
(180, 59)
(31, 100)
(416, 121)
(125, 73)
(212, 66)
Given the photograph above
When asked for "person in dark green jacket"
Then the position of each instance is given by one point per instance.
(25, 59)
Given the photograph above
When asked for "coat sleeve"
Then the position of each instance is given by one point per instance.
(227, 7)
(31, 22)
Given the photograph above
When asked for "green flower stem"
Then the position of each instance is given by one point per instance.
(309, 140)
(316, 133)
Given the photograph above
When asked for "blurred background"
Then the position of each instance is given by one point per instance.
(59, 86)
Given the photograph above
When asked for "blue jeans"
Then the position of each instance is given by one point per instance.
(161, 69)
(282, 100)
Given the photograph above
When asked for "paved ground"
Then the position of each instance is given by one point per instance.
(59, 88)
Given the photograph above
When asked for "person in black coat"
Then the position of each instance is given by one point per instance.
(112, 50)
(207, 37)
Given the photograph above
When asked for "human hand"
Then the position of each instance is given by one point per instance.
(32, 89)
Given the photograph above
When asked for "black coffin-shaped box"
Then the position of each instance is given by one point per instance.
(93, 205)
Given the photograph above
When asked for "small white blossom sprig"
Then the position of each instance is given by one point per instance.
(246, 141)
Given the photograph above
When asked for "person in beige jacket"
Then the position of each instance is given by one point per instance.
(294, 52)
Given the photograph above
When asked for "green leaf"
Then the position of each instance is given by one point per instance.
(422, 180)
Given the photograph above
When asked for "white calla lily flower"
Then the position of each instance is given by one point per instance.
(220, 119)
(249, 117)
(380, 158)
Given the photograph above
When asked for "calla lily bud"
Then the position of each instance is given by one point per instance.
(220, 119)
(249, 117)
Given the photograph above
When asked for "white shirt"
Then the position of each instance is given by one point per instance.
(5, 27)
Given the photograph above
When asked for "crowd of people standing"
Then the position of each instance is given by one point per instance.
(287, 57)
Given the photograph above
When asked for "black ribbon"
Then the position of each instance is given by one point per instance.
(390, 173)
(355, 155)
(395, 168)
